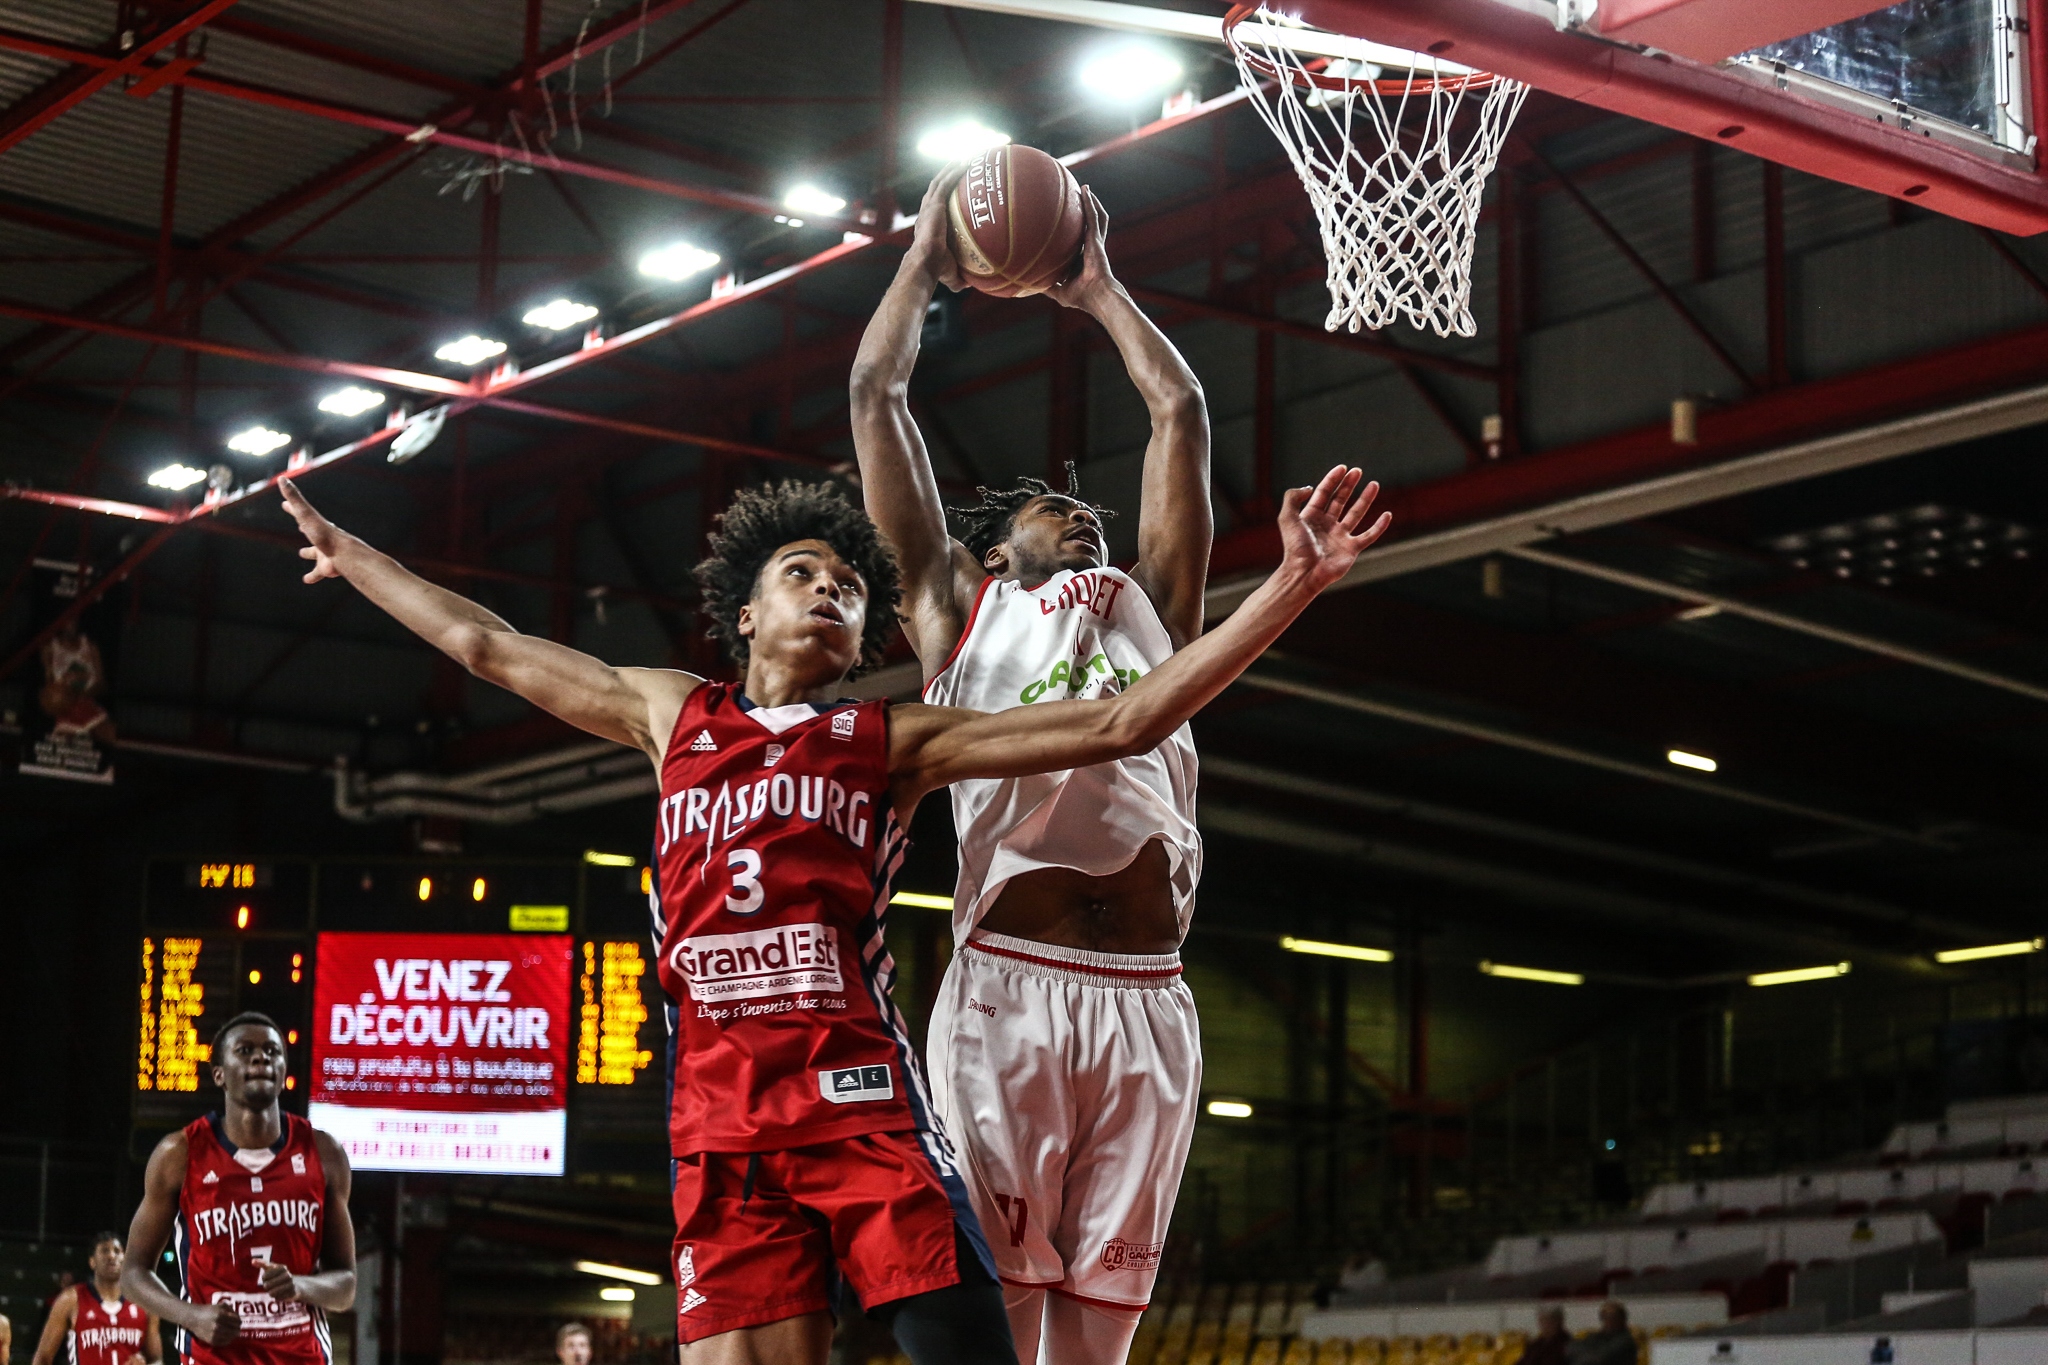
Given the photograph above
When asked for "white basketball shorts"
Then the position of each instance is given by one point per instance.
(1068, 1080)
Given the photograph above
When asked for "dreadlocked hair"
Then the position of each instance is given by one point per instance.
(989, 522)
(760, 521)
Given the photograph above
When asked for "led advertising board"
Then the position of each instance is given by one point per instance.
(443, 1052)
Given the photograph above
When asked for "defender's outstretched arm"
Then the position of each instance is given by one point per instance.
(895, 469)
(635, 706)
(1175, 523)
(1320, 531)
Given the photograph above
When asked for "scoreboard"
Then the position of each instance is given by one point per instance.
(224, 935)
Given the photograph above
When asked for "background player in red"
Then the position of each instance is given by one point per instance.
(802, 1135)
(93, 1325)
(257, 1201)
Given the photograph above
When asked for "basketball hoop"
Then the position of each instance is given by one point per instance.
(1398, 205)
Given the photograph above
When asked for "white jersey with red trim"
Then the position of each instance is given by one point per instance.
(1081, 634)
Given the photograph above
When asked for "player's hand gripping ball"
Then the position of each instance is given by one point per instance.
(1015, 222)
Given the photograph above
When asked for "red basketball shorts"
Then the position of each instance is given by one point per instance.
(761, 1237)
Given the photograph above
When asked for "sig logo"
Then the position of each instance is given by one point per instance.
(842, 724)
(686, 1266)
(1117, 1254)
(853, 1084)
(773, 756)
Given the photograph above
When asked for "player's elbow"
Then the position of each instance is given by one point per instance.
(1181, 404)
(1132, 729)
(344, 1291)
(472, 646)
(876, 387)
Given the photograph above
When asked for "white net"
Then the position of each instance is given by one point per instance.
(1395, 162)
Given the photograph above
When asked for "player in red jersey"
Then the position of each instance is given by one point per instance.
(257, 1202)
(802, 1136)
(93, 1325)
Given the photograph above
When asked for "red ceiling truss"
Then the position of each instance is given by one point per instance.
(1149, 244)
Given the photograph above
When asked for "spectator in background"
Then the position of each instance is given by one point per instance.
(65, 1279)
(1551, 1343)
(572, 1344)
(1613, 1344)
(6, 1338)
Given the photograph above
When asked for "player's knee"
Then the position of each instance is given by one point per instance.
(962, 1324)
(1077, 1329)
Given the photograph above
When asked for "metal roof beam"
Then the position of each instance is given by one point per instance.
(1801, 625)
(1578, 845)
(416, 131)
(1273, 681)
(41, 107)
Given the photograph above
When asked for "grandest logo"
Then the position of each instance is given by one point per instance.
(779, 961)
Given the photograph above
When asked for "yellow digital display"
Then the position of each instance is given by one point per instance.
(169, 1050)
(608, 1050)
(227, 876)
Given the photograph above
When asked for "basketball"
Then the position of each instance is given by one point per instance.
(1016, 221)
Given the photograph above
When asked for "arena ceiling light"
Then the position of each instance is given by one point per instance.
(1317, 948)
(677, 261)
(258, 440)
(1686, 759)
(1827, 973)
(559, 316)
(1229, 1109)
(470, 350)
(922, 900)
(1532, 974)
(1128, 71)
(615, 1293)
(618, 1272)
(2032, 945)
(959, 140)
(352, 401)
(808, 198)
(597, 859)
(176, 477)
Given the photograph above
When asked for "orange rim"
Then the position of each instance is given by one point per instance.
(1407, 85)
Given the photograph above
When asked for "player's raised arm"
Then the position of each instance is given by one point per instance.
(1175, 525)
(897, 485)
(214, 1324)
(636, 706)
(1321, 535)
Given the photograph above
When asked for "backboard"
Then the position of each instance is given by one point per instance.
(1931, 101)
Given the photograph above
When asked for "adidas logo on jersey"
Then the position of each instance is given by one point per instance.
(211, 1178)
(703, 743)
(691, 1299)
(853, 1084)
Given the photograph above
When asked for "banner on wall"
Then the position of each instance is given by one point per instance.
(66, 731)
(443, 1052)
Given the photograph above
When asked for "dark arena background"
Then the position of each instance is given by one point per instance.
(1629, 886)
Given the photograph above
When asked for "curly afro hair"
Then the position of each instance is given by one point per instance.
(760, 521)
(989, 522)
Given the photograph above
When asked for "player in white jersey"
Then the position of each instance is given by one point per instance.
(1064, 1052)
